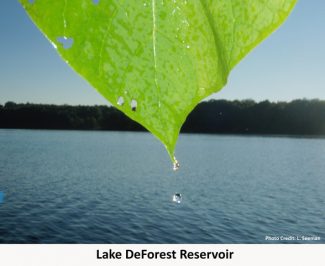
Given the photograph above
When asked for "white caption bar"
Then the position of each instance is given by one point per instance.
(86, 255)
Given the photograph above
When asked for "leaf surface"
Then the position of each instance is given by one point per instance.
(156, 60)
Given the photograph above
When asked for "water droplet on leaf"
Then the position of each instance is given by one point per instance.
(120, 101)
(134, 105)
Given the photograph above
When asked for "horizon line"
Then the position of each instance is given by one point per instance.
(206, 100)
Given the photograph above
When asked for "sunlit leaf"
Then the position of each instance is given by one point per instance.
(156, 60)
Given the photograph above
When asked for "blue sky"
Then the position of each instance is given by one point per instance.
(288, 65)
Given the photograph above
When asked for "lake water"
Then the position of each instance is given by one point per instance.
(112, 187)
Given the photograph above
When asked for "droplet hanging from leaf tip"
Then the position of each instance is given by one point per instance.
(176, 164)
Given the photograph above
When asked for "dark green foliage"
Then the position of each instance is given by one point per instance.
(303, 117)
(39, 116)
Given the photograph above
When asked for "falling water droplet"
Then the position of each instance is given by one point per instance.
(176, 165)
(177, 198)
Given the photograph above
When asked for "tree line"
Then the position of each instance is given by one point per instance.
(298, 117)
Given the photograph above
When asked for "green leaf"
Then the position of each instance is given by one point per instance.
(164, 56)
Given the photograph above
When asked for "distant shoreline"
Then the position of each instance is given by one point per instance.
(181, 133)
(302, 118)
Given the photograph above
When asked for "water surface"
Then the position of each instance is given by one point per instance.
(113, 187)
